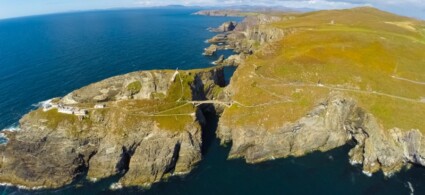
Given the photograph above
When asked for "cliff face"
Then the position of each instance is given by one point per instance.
(246, 37)
(146, 132)
(252, 30)
(333, 123)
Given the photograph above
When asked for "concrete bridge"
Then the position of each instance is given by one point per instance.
(200, 102)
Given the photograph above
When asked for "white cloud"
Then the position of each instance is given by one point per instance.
(13, 8)
(405, 7)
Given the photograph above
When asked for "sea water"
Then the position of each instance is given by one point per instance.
(49, 56)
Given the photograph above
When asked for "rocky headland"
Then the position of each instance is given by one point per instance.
(229, 13)
(302, 84)
(146, 129)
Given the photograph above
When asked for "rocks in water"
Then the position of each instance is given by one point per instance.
(233, 60)
(243, 38)
(211, 50)
(146, 135)
(219, 61)
(251, 33)
(225, 27)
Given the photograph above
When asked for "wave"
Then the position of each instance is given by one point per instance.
(13, 127)
(412, 190)
(367, 173)
(42, 103)
(3, 137)
(23, 187)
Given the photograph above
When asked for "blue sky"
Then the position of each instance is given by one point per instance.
(17, 8)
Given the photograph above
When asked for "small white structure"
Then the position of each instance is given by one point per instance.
(71, 110)
(100, 106)
(49, 105)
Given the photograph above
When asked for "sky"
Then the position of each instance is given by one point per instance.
(18, 8)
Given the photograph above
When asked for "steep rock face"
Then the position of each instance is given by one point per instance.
(147, 131)
(246, 37)
(378, 149)
(179, 152)
(29, 160)
(322, 129)
(335, 122)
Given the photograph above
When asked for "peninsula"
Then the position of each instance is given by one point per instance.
(304, 82)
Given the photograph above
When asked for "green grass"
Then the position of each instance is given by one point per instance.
(134, 87)
(168, 111)
(362, 51)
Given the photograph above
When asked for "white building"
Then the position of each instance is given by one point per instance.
(100, 106)
(64, 109)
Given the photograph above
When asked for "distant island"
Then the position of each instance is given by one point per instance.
(304, 82)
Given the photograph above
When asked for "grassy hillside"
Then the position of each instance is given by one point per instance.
(375, 57)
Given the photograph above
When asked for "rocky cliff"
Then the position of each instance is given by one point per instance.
(147, 130)
(246, 37)
(332, 123)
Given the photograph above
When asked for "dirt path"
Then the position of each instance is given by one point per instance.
(408, 80)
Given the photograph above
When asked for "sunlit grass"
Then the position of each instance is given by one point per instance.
(356, 52)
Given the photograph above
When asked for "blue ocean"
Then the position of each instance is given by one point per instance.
(49, 56)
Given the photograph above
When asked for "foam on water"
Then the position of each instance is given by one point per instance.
(23, 187)
(3, 139)
(412, 190)
(42, 103)
(11, 128)
(14, 127)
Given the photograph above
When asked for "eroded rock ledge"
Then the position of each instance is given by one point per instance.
(147, 130)
(334, 122)
(245, 37)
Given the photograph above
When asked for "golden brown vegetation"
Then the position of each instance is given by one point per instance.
(373, 56)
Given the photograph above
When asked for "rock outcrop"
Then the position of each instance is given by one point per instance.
(147, 131)
(211, 50)
(225, 27)
(245, 37)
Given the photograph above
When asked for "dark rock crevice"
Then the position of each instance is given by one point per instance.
(124, 163)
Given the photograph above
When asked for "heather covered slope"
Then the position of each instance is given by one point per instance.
(336, 76)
